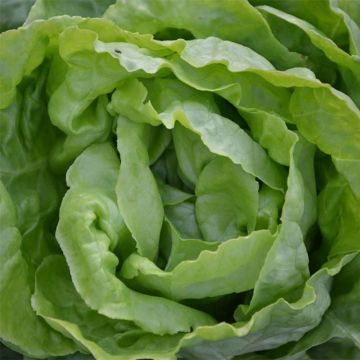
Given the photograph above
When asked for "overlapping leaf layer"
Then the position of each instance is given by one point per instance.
(181, 179)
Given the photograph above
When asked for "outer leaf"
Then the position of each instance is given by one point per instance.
(57, 301)
(342, 125)
(273, 325)
(320, 14)
(339, 218)
(352, 8)
(26, 217)
(15, 292)
(340, 321)
(32, 41)
(212, 19)
(13, 13)
(45, 9)
(334, 53)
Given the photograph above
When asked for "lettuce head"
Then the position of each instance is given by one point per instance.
(180, 179)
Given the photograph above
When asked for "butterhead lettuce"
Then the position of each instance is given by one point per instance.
(180, 180)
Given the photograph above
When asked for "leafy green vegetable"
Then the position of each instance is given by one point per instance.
(180, 179)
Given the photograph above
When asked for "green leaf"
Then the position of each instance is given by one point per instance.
(13, 13)
(339, 326)
(226, 201)
(207, 275)
(183, 217)
(15, 295)
(262, 331)
(89, 228)
(338, 206)
(57, 301)
(180, 180)
(204, 19)
(191, 152)
(136, 189)
(321, 14)
(342, 122)
(182, 249)
(45, 9)
(286, 264)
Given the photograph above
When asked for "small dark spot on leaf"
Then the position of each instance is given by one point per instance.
(117, 51)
